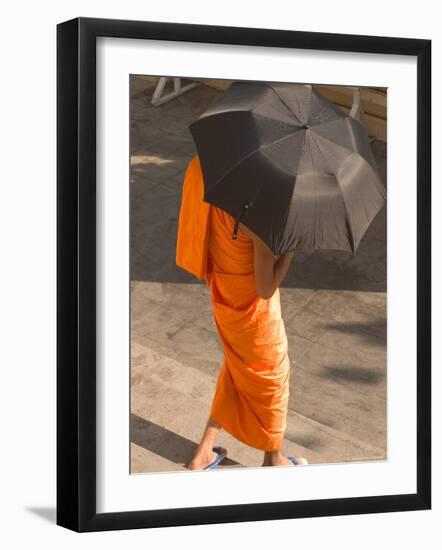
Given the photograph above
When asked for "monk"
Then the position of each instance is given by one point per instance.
(252, 388)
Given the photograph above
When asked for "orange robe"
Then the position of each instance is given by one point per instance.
(252, 388)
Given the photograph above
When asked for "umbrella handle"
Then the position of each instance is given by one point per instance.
(235, 229)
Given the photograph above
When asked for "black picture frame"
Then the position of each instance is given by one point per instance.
(76, 273)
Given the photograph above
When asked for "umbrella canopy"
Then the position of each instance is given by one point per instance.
(289, 165)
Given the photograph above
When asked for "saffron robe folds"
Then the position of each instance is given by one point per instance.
(252, 388)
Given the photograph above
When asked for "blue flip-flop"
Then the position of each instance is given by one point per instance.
(293, 459)
(214, 464)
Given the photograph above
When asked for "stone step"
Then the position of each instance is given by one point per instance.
(140, 457)
(330, 445)
(170, 403)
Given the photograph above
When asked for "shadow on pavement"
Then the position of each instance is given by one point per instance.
(164, 442)
(362, 375)
(373, 333)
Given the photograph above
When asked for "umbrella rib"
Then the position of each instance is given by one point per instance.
(342, 196)
(348, 216)
(281, 119)
(259, 148)
(315, 141)
(285, 104)
(318, 134)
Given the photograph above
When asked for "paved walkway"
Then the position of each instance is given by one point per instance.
(334, 307)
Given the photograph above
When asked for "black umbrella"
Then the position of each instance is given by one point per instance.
(289, 165)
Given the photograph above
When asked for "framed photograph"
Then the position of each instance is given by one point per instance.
(244, 260)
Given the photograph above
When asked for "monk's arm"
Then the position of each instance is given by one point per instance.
(269, 273)
(281, 267)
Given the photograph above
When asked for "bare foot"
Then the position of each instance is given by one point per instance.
(203, 458)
